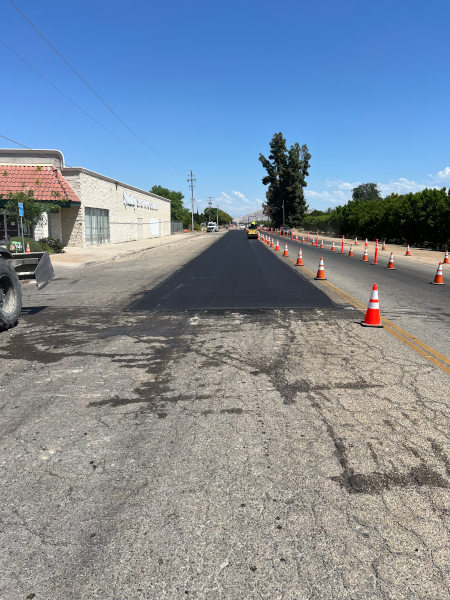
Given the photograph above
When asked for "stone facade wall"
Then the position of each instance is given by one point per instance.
(41, 230)
(72, 226)
(54, 225)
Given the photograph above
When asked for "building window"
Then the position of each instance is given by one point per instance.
(97, 226)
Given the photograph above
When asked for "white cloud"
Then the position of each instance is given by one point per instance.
(224, 199)
(336, 196)
(400, 186)
(340, 192)
(236, 203)
(444, 174)
(342, 185)
(241, 197)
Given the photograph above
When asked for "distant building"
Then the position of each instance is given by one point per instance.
(92, 208)
(256, 215)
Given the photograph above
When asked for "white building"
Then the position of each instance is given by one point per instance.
(92, 208)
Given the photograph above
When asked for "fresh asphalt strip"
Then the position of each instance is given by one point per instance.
(235, 273)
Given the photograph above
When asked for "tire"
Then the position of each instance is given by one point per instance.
(10, 296)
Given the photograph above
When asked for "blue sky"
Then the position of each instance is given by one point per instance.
(205, 85)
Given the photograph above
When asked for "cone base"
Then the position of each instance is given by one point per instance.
(390, 269)
(320, 278)
(437, 283)
(369, 325)
(299, 264)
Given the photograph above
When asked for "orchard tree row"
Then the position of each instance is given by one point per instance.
(421, 219)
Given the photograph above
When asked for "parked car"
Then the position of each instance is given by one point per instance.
(285, 230)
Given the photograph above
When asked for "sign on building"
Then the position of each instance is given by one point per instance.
(130, 200)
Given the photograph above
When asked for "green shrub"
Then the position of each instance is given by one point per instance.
(45, 245)
(34, 246)
(55, 246)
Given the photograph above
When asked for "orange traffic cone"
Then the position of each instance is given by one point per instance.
(356, 241)
(365, 257)
(296, 238)
(373, 317)
(390, 264)
(446, 261)
(438, 279)
(320, 270)
(299, 262)
(350, 252)
(321, 244)
(271, 243)
(312, 243)
(303, 240)
(408, 251)
(384, 245)
(366, 243)
(277, 247)
(333, 249)
(268, 240)
(285, 253)
(28, 248)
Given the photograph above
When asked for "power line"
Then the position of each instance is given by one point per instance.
(81, 78)
(80, 108)
(67, 97)
(28, 148)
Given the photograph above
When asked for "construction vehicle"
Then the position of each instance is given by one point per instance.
(252, 231)
(15, 268)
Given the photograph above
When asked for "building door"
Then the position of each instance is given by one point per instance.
(154, 227)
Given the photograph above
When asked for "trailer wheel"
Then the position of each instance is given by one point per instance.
(10, 296)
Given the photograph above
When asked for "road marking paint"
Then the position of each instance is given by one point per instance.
(436, 358)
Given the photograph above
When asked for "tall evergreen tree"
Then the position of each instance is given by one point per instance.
(286, 177)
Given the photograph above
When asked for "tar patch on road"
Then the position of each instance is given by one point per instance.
(234, 274)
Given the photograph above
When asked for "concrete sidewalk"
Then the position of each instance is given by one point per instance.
(80, 257)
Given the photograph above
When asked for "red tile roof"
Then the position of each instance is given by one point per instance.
(46, 182)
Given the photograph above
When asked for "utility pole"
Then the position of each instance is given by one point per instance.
(209, 205)
(191, 180)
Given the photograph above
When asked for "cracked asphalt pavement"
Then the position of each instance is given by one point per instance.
(227, 452)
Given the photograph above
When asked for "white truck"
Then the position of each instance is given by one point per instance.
(211, 226)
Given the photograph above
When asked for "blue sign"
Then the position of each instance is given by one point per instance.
(20, 209)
